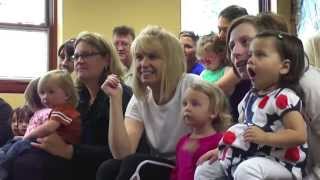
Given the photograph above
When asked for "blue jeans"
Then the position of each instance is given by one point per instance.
(9, 152)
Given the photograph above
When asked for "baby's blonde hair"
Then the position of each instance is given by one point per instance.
(64, 81)
(218, 104)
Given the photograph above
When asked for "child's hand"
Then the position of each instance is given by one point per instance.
(255, 134)
(112, 86)
(210, 156)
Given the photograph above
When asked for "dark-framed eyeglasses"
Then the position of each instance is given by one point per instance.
(84, 56)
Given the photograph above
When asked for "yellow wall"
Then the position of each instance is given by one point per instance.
(102, 15)
(13, 99)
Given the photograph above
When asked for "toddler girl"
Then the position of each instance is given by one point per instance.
(212, 52)
(270, 141)
(56, 91)
(205, 110)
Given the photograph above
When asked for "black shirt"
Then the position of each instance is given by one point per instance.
(94, 147)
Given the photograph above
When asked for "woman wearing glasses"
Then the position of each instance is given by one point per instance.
(94, 59)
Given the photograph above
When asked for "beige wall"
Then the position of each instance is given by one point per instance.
(102, 15)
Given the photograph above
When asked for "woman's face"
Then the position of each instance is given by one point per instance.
(149, 68)
(88, 62)
(65, 62)
(239, 41)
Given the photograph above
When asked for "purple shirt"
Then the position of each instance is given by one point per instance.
(188, 151)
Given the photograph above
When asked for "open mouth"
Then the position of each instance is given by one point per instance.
(241, 63)
(251, 73)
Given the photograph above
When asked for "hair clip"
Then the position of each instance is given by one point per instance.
(280, 36)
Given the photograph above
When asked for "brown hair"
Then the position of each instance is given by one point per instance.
(289, 48)
(123, 31)
(107, 50)
(31, 95)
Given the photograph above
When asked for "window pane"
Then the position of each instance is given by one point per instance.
(308, 19)
(24, 54)
(23, 11)
(201, 16)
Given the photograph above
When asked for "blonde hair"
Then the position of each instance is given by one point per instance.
(64, 81)
(31, 95)
(157, 39)
(106, 49)
(218, 104)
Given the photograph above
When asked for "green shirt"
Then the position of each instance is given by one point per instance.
(212, 76)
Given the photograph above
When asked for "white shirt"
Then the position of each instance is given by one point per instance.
(163, 123)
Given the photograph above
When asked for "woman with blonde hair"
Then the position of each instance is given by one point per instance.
(94, 59)
(159, 85)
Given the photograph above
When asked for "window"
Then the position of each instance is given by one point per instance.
(308, 18)
(201, 16)
(28, 41)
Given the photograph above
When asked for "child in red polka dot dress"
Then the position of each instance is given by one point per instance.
(271, 135)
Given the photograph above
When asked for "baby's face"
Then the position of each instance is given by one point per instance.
(212, 60)
(52, 95)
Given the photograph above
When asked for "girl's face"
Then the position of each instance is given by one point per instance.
(52, 95)
(265, 64)
(88, 62)
(196, 112)
(212, 60)
(149, 68)
(239, 42)
(19, 123)
(65, 62)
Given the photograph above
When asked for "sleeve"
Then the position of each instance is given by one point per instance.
(5, 125)
(287, 101)
(62, 117)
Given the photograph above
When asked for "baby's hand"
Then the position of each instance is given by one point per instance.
(255, 134)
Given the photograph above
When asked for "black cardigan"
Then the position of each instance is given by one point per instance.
(94, 147)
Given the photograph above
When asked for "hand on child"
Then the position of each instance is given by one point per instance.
(54, 145)
(210, 156)
(255, 134)
(112, 86)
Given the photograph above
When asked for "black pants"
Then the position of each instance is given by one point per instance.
(143, 167)
(35, 164)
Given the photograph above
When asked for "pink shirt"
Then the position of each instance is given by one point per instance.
(188, 151)
(38, 118)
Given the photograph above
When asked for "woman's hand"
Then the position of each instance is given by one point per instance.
(112, 86)
(54, 145)
(210, 156)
